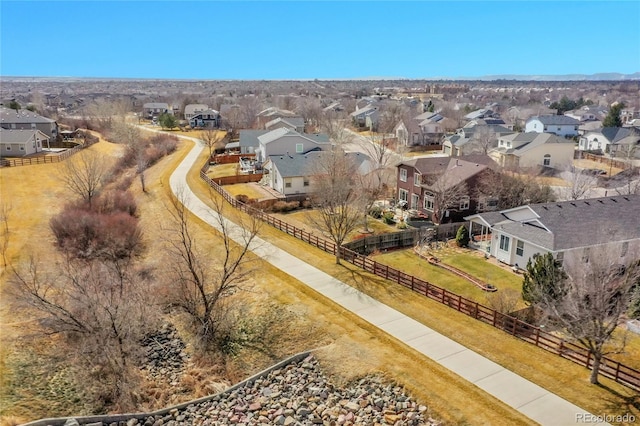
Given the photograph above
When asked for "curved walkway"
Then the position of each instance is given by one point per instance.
(526, 397)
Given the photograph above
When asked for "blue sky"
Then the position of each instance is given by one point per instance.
(325, 40)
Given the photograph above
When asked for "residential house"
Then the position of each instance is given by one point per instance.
(423, 129)
(515, 235)
(282, 141)
(588, 113)
(248, 142)
(21, 142)
(470, 138)
(615, 141)
(292, 174)
(627, 115)
(525, 150)
(559, 125)
(271, 113)
(192, 109)
(207, 119)
(333, 107)
(366, 116)
(432, 185)
(28, 120)
(152, 110)
(293, 123)
(480, 113)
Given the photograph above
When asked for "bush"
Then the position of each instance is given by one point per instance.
(388, 218)
(375, 212)
(283, 206)
(402, 224)
(462, 237)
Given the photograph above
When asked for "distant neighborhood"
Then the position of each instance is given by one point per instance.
(443, 146)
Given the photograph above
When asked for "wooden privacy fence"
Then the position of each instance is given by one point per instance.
(602, 159)
(610, 368)
(14, 162)
(387, 241)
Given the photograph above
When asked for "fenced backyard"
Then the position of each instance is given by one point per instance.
(40, 159)
(610, 368)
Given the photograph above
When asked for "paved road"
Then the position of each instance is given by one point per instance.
(528, 398)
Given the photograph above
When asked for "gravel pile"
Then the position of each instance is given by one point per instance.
(165, 355)
(298, 394)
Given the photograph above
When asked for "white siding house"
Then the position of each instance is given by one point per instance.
(561, 228)
(560, 125)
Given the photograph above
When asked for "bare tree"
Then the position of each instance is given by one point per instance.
(102, 313)
(211, 139)
(580, 183)
(136, 146)
(334, 125)
(598, 291)
(83, 174)
(5, 210)
(201, 290)
(336, 195)
(447, 193)
(310, 110)
(483, 140)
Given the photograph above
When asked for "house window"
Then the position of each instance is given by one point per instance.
(624, 249)
(428, 202)
(417, 179)
(8, 148)
(33, 125)
(519, 248)
(546, 160)
(299, 148)
(504, 243)
(415, 200)
(403, 195)
(403, 175)
(21, 147)
(305, 181)
(464, 203)
(559, 129)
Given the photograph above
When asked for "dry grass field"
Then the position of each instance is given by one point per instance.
(347, 346)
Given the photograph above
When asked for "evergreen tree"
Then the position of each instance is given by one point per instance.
(462, 237)
(168, 121)
(613, 118)
(544, 280)
(14, 105)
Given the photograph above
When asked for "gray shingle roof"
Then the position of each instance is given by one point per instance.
(22, 116)
(294, 122)
(574, 224)
(18, 136)
(154, 105)
(294, 165)
(555, 120)
(250, 137)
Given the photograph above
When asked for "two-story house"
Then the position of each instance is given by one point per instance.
(152, 110)
(516, 235)
(28, 120)
(282, 141)
(192, 109)
(560, 125)
(527, 150)
(424, 129)
(444, 188)
(207, 119)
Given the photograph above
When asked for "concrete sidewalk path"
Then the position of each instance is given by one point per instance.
(528, 398)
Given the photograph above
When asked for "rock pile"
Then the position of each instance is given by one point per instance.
(299, 394)
(165, 357)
